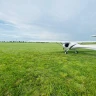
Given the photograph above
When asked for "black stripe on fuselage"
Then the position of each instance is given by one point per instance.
(72, 46)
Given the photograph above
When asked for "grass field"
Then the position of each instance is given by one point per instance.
(42, 69)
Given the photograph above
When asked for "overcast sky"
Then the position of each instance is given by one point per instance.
(46, 20)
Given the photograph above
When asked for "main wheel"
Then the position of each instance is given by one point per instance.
(76, 52)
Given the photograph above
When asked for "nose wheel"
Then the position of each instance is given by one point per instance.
(66, 52)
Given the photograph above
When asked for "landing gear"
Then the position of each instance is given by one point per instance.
(66, 52)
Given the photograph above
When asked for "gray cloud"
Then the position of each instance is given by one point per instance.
(47, 19)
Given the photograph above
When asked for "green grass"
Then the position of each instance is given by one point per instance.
(42, 69)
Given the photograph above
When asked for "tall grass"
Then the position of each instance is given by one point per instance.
(42, 69)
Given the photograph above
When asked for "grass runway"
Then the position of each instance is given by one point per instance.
(42, 69)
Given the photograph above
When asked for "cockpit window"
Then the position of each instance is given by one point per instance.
(66, 44)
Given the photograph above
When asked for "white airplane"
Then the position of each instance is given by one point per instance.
(72, 45)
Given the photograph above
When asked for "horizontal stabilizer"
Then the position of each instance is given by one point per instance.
(93, 35)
